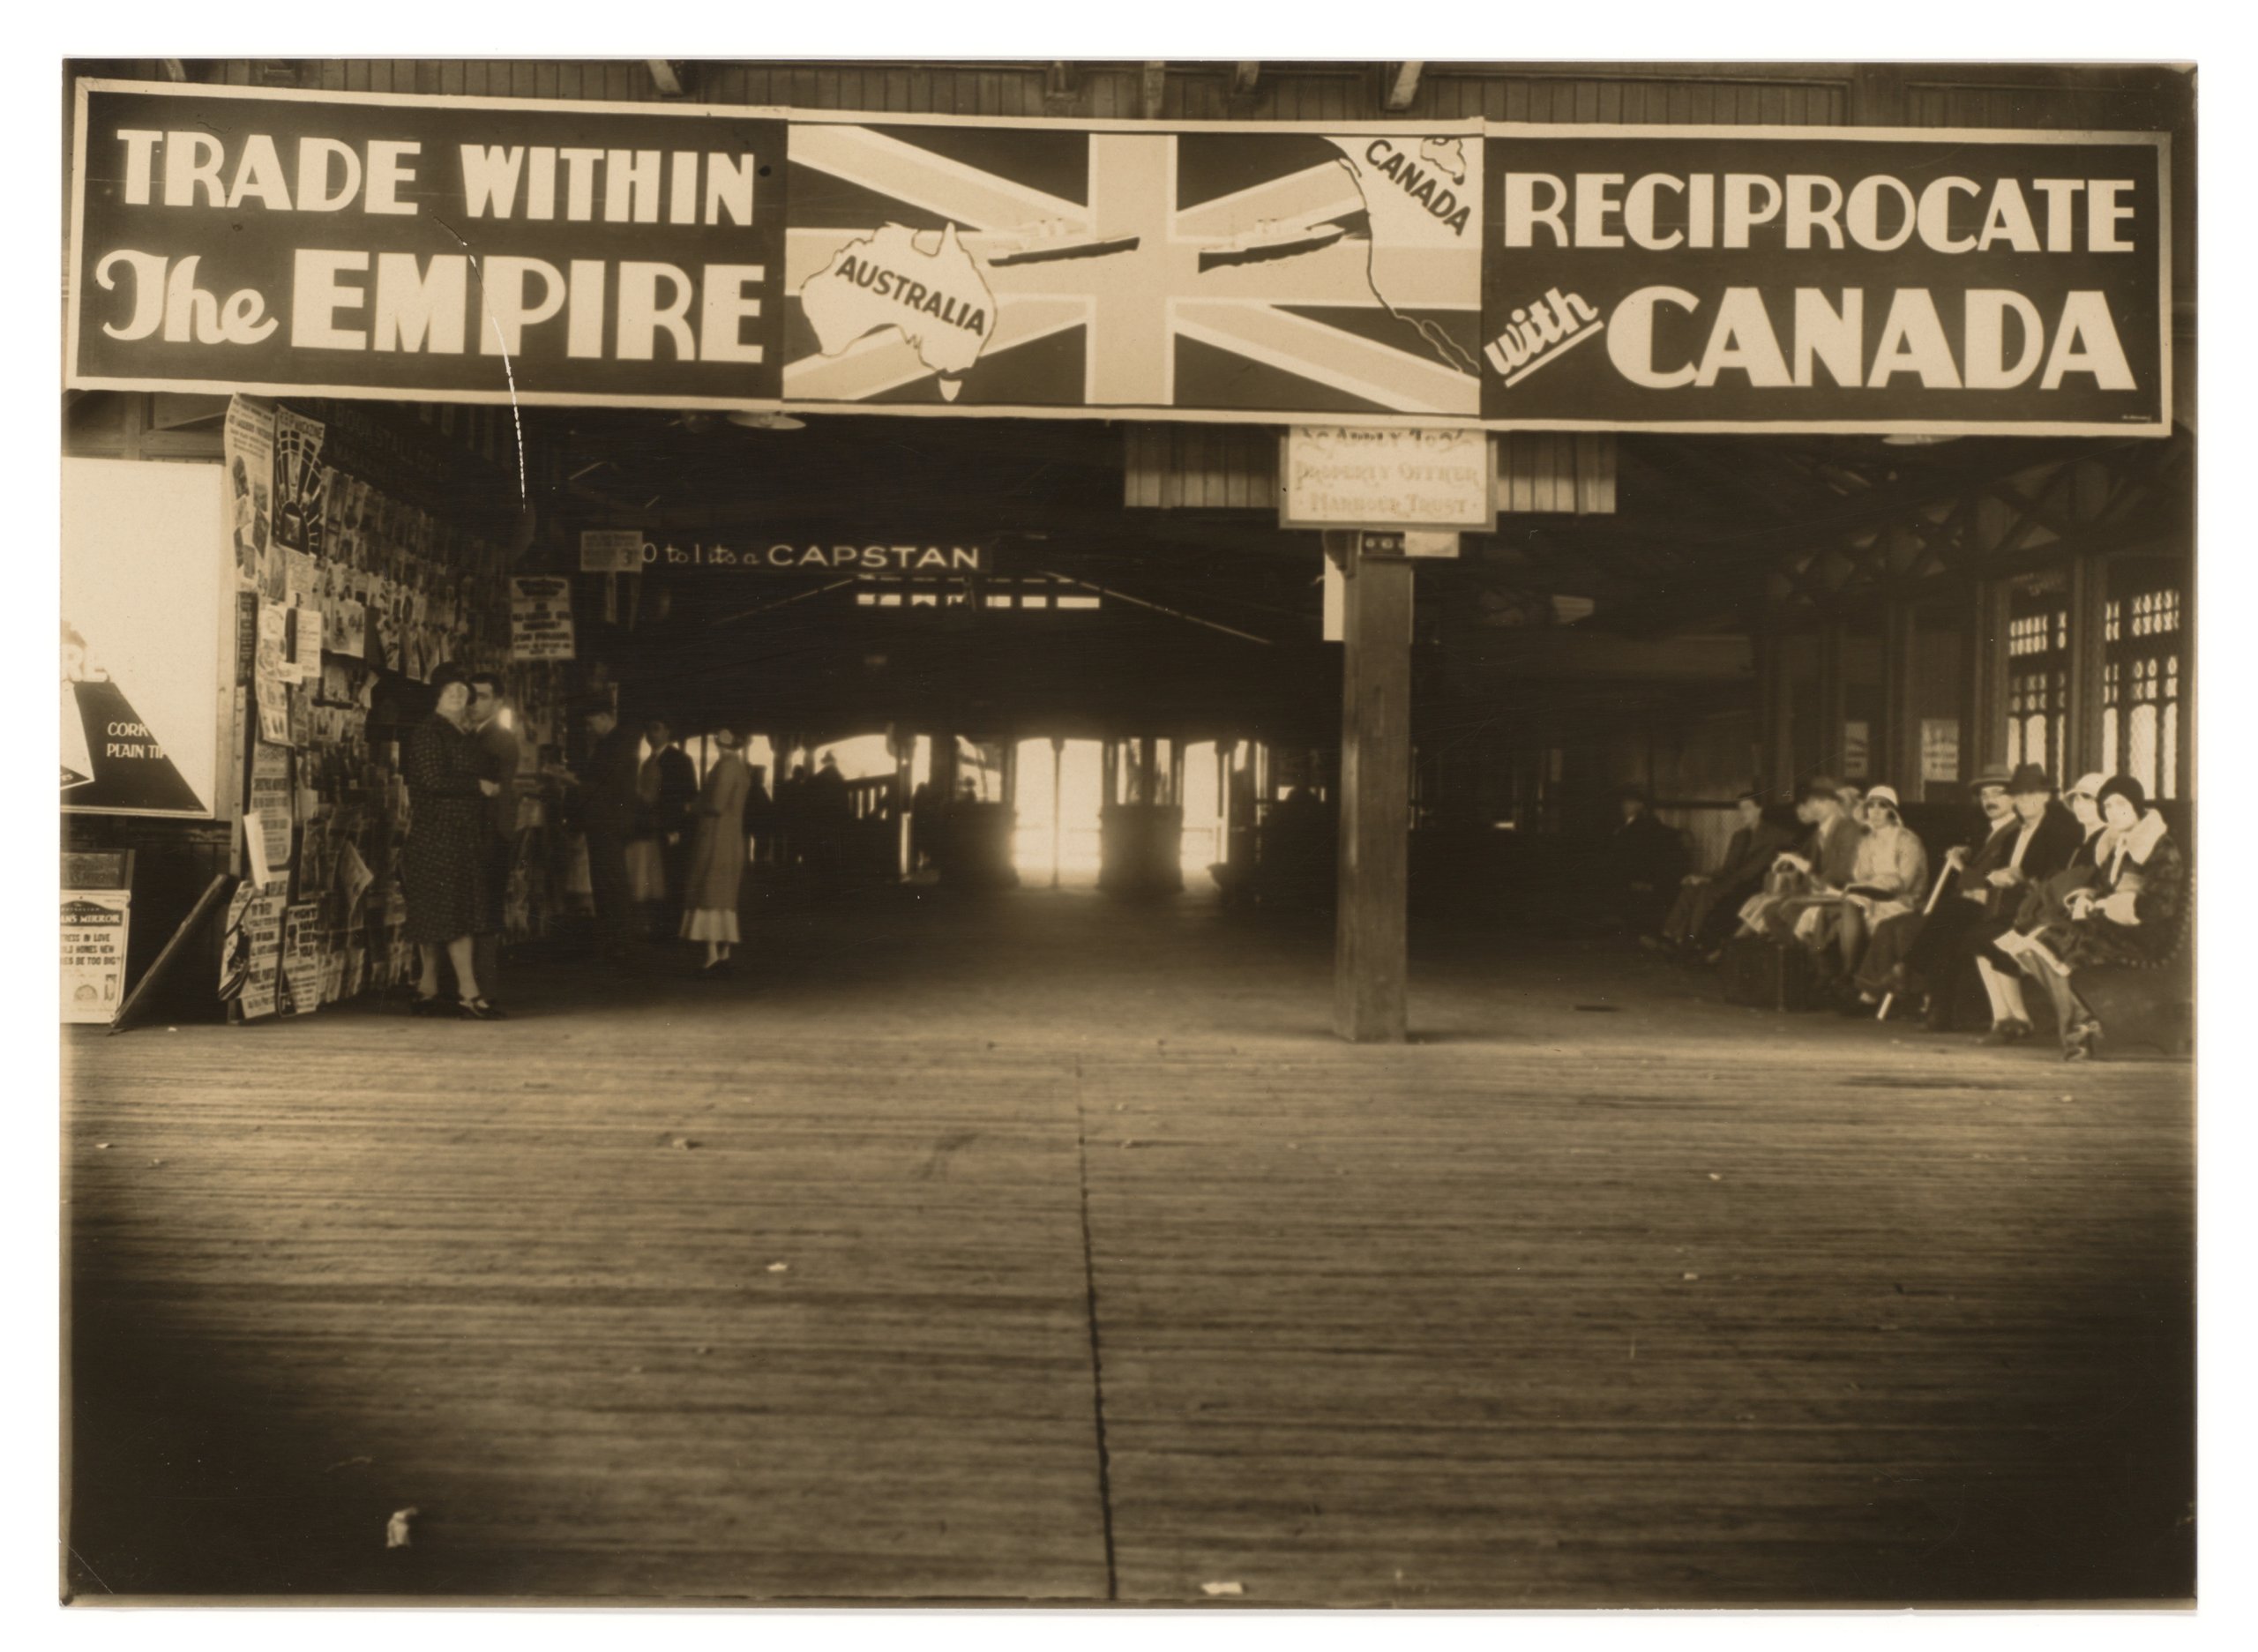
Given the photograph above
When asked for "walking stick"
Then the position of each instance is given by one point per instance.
(1888, 998)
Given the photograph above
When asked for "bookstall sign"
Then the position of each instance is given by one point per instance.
(1405, 273)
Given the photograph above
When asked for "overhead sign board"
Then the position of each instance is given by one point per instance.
(1751, 280)
(611, 550)
(1354, 476)
(516, 249)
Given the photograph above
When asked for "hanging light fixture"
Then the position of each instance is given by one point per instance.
(748, 419)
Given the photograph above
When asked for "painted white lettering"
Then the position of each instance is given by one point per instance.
(1631, 337)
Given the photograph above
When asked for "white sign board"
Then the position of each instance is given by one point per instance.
(1347, 476)
(611, 550)
(148, 638)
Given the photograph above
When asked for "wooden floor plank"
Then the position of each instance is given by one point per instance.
(778, 1290)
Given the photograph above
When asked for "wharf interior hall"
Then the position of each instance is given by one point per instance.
(1206, 833)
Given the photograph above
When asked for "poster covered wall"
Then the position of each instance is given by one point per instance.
(514, 249)
(148, 651)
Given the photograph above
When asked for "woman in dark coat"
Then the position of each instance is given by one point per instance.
(2129, 914)
(441, 865)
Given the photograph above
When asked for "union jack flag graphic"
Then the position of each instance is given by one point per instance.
(1261, 271)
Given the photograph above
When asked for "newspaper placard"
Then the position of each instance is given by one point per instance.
(301, 985)
(93, 953)
(541, 617)
(262, 928)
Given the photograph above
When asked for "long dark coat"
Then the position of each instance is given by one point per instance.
(2159, 885)
(442, 865)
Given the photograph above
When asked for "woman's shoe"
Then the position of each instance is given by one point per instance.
(429, 1006)
(2008, 1032)
(2078, 1041)
(480, 1010)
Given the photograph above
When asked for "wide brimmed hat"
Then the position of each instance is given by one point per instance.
(1998, 777)
(2029, 777)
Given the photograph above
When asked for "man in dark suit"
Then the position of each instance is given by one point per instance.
(609, 806)
(503, 754)
(1649, 858)
(677, 802)
(1707, 901)
(2046, 835)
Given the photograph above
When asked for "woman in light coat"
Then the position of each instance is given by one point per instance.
(1889, 878)
(717, 855)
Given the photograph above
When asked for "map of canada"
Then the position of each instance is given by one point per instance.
(922, 283)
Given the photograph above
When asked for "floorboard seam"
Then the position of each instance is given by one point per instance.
(1097, 1354)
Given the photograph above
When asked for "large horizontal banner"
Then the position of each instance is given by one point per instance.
(505, 249)
(1850, 281)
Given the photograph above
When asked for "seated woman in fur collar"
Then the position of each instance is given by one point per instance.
(2129, 913)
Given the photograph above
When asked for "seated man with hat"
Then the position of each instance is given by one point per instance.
(2044, 838)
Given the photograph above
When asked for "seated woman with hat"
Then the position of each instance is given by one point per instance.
(1890, 873)
(2130, 911)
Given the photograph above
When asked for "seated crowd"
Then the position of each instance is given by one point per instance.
(2043, 890)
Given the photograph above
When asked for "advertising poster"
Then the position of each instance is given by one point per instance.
(301, 974)
(541, 617)
(270, 679)
(270, 800)
(1939, 749)
(305, 642)
(248, 456)
(148, 642)
(262, 929)
(93, 953)
(297, 490)
(235, 945)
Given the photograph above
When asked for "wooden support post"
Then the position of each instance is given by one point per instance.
(1831, 702)
(1110, 773)
(1057, 762)
(1983, 736)
(1369, 964)
(1148, 763)
(904, 857)
(2089, 651)
(1898, 751)
(1776, 739)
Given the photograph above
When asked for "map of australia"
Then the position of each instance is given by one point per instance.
(924, 284)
